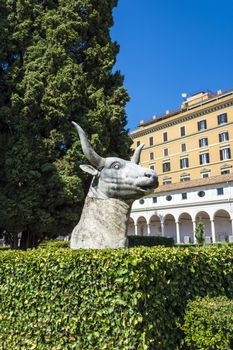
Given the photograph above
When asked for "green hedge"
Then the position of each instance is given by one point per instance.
(216, 244)
(4, 248)
(133, 241)
(209, 324)
(149, 241)
(54, 244)
(111, 299)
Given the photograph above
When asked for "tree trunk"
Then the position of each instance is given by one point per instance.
(24, 244)
(28, 240)
(14, 241)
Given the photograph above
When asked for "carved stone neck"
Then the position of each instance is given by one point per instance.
(103, 224)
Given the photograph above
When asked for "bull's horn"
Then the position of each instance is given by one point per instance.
(137, 154)
(91, 155)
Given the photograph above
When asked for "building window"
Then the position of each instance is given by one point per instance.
(138, 143)
(182, 131)
(220, 191)
(185, 178)
(167, 181)
(184, 163)
(166, 166)
(225, 153)
(165, 152)
(183, 147)
(201, 125)
(154, 199)
(224, 136)
(151, 141)
(222, 118)
(201, 194)
(151, 155)
(141, 201)
(204, 158)
(169, 198)
(152, 167)
(165, 137)
(205, 175)
(184, 195)
(225, 171)
(203, 142)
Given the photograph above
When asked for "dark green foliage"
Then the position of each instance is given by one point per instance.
(209, 324)
(109, 299)
(56, 61)
(149, 241)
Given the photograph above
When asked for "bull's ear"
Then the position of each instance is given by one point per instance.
(89, 169)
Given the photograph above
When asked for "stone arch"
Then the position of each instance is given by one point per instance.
(155, 225)
(186, 228)
(142, 226)
(131, 227)
(170, 226)
(223, 225)
(204, 217)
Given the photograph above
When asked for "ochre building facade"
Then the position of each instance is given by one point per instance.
(191, 151)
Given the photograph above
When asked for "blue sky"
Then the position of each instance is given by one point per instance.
(168, 47)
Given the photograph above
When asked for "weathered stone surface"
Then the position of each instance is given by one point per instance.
(103, 224)
(116, 183)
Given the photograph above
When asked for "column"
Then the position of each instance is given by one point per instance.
(162, 228)
(213, 231)
(194, 228)
(231, 234)
(137, 233)
(148, 230)
(177, 232)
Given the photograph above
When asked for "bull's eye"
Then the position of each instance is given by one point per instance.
(116, 165)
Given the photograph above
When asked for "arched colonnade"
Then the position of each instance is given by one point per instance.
(181, 227)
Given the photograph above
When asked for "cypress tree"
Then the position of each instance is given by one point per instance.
(56, 65)
(200, 232)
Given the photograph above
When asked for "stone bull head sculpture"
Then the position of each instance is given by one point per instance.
(115, 185)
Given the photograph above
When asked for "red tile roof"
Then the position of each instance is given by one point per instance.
(214, 180)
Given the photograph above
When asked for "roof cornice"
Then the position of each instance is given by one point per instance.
(182, 118)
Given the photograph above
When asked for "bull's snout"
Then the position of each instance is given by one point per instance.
(149, 179)
(152, 178)
(149, 174)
